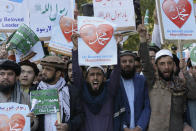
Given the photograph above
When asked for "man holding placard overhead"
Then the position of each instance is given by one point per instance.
(167, 92)
(70, 110)
(98, 95)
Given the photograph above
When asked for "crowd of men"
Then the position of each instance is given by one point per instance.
(151, 90)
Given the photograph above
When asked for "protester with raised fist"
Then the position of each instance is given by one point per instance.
(167, 92)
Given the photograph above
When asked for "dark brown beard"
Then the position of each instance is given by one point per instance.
(128, 74)
(49, 80)
(6, 89)
(163, 77)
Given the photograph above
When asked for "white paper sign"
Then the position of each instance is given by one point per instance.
(13, 117)
(61, 36)
(97, 46)
(43, 14)
(177, 19)
(38, 49)
(120, 12)
(13, 13)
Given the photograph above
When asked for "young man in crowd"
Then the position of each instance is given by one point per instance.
(69, 73)
(138, 66)
(10, 90)
(152, 52)
(29, 72)
(167, 92)
(135, 92)
(97, 94)
(69, 100)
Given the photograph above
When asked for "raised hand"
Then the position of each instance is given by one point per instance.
(118, 38)
(142, 32)
(61, 127)
(74, 39)
(183, 65)
(3, 52)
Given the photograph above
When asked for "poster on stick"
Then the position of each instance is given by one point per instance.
(45, 101)
(177, 19)
(61, 36)
(120, 12)
(44, 13)
(13, 14)
(193, 55)
(13, 117)
(97, 45)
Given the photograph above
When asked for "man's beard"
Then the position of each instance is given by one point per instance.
(6, 88)
(164, 78)
(49, 80)
(128, 74)
(95, 92)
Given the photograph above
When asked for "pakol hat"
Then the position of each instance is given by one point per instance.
(53, 61)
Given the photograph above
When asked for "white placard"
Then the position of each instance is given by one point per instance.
(97, 45)
(61, 36)
(120, 12)
(44, 13)
(13, 117)
(177, 19)
(13, 13)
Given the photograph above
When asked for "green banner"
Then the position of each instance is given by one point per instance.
(193, 56)
(44, 101)
(23, 39)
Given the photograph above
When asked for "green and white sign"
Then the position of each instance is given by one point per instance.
(45, 101)
(23, 39)
(193, 56)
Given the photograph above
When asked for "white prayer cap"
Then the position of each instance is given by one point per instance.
(163, 52)
(97, 66)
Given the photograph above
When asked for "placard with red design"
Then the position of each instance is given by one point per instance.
(44, 13)
(177, 19)
(97, 45)
(61, 35)
(13, 117)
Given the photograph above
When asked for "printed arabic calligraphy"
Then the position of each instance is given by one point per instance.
(96, 37)
(53, 11)
(68, 27)
(100, 39)
(179, 12)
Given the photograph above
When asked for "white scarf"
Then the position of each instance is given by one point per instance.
(64, 97)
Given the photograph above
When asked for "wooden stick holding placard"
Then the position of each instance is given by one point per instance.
(59, 113)
(180, 48)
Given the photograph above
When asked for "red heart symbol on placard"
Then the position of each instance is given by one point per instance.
(179, 12)
(68, 27)
(96, 37)
(16, 122)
